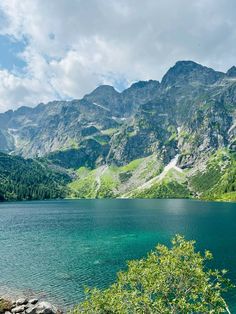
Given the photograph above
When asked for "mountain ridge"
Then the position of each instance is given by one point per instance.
(191, 114)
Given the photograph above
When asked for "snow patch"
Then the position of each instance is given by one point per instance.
(232, 127)
(100, 106)
(171, 165)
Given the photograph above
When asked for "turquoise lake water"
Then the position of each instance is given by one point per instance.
(55, 248)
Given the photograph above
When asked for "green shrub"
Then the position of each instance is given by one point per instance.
(173, 280)
(5, 305)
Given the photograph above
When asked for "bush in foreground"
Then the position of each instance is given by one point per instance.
(173, 280)
(5, 306)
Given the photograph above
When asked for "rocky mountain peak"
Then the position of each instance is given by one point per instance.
(102, 90)
(190, 72)
(144, 84)
(106, 97)
(232, 72)
(187, 65)
(191, 110)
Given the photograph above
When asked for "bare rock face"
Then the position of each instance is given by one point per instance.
(107, 126)
(232, 72)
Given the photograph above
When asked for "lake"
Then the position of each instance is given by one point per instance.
(56, 248)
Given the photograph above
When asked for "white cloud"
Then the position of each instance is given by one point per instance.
(72, 46)
(16, 91)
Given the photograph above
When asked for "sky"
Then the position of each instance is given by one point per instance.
(63, 49)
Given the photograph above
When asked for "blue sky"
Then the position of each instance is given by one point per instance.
(62, 49)
(10, 50)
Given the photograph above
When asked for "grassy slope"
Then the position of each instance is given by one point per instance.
(216, 180)
(173, 185)
(109, 182)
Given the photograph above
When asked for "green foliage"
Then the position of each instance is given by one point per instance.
(70, 144)
(184, 134)
(110, 131)
(125, 176)
(131, 133)
(92, 184)
(174, 280)
(82, 172)
(203, 181)
(102, 139)
(227, 197)
(151, 169)
(218, 180)
(105, 183)
(133, 165)
(227, 183)
(5, 305)
(85, 186)
(108, 186)
(165, 189)
(22, 179)
(173, 134)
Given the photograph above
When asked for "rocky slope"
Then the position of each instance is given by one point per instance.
(188, 117)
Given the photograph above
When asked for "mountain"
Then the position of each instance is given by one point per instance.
(154, 139)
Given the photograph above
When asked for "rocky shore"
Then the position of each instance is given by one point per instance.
(27, 306)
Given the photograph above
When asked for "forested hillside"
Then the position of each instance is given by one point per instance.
(27, 179)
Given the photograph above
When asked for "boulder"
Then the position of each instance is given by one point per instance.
(33, 301)
(21, 301)
(31, 310)
(18, 309)
(45, 308)
(42, 308)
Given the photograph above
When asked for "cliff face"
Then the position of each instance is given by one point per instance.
(191, 114)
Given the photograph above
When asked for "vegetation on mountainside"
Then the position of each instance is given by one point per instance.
(85, 186)
(173, 185)
(164, 189)
(175, 280)
(27, 179)
(113, 181)
(218, 180)
(215, 179)
(108, 185)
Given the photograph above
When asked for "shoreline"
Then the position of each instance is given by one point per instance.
(41, 303)
(119, 198)
(10, 304)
